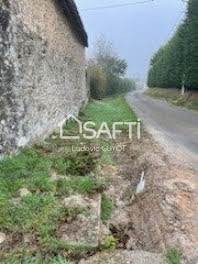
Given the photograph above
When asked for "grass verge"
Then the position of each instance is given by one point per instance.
(39, 214)
(109, 111)
(189, 100)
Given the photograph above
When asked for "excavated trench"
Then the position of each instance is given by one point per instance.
(164, 215)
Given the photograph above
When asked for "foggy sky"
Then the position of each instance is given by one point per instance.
(136, 31)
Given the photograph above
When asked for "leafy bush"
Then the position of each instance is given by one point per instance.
(126, 85)
(98, 82)
(106, 72)
(104, 83)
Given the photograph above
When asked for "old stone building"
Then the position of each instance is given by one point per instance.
(42, 68)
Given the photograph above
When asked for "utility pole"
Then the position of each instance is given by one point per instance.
(183, 86)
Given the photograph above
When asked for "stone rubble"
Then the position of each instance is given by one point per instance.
(83, 228)
(104, 233)
(16, 202)
(126, 257)
(23, 192)
(2, 237)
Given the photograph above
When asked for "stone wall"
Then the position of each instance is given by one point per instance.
(42, 77)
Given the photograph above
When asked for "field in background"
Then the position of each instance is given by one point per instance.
(189, 100)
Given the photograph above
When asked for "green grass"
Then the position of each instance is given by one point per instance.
(173, 256)
(52, 244)
(41, 212)
(57, 260)
(109, 111)
(83, 185)
(79, 165)
(107, 207)
(189, 100)
(60, 260)
(110, 243)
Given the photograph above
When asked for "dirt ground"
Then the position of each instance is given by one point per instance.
(165, 214)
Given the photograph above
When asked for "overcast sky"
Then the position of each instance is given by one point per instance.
(136, 31)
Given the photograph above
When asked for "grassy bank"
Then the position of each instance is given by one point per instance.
(189, 100)
(38, 214)
(109, 110)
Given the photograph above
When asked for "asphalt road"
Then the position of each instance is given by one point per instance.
(175, 128)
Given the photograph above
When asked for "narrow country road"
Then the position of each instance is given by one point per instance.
(176, 129)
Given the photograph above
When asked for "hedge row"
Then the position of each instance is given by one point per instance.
(176, 63)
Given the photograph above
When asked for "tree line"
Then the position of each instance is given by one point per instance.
(176, 63)
(106, 71)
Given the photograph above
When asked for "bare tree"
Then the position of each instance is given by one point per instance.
(105, 56)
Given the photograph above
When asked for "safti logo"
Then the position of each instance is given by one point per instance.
(88, 132)
(64, 122)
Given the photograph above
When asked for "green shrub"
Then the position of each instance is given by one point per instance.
(98, 82)
(126, 85)
(104, 83)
